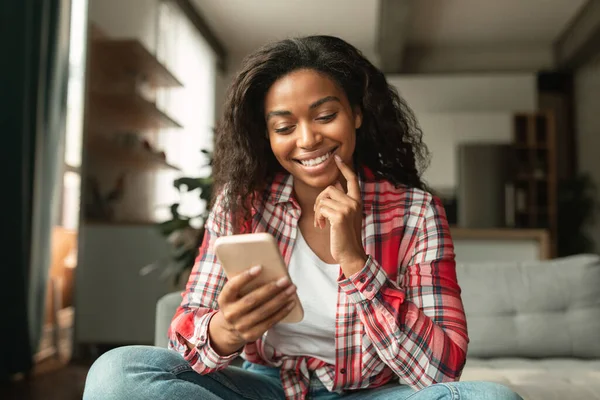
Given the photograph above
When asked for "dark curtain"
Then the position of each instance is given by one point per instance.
(33, 76)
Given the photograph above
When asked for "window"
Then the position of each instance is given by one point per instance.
(182, 49)
(69, 214)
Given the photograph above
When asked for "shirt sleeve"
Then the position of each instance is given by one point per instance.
(417, 324)
(199, 302)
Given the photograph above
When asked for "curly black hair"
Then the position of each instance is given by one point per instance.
(389, 141)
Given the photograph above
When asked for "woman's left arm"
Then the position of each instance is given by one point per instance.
(418, 326)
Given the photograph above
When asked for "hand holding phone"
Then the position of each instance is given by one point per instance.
(245, 318)
(257, 295)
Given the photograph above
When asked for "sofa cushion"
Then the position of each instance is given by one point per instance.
(547, 379)
(533, 309)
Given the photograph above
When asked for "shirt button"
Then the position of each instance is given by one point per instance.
(202, 338)
(343, 371)
(362, 279)
(369, 288)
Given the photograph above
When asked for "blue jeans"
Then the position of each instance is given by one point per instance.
(143, 372)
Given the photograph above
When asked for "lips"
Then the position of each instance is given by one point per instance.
(316, 158)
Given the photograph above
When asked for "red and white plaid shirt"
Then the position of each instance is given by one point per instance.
(401, 316)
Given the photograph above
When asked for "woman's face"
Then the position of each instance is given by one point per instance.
(309, 119)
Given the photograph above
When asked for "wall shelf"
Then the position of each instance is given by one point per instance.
(102, 151)
(121, 59)
(126, 112)
(535, 179)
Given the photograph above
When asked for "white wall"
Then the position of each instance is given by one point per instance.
(587, 106)
(456, 109)
(467, 92)
(444, 132)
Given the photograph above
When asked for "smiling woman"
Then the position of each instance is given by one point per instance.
(316, 149)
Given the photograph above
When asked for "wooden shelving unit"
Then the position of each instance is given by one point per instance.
(119, 60)
(143, 160)
(535, 176)
(123, 77)
(127, 112)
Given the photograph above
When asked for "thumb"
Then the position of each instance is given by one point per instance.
(339, 186)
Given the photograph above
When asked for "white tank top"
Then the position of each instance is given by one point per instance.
(317, 288)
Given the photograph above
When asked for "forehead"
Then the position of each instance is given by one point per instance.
(301, 88)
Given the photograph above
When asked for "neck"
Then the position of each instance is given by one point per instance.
(306, 196)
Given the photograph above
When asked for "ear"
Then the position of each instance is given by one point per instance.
(357, 117)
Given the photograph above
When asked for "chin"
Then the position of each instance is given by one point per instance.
(320, 181)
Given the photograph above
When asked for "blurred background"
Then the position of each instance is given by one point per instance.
(108, 109)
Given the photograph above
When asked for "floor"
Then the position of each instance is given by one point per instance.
(64, 382)
(55, 376)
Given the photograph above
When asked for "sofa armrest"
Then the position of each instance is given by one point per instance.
(165, 310)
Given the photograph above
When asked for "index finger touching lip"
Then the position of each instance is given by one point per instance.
(351, 178)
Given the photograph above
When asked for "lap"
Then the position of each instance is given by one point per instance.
(442, 391)
(142, 372)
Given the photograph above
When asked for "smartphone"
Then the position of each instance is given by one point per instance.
(238, 253)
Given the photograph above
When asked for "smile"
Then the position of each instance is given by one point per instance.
(318, 160)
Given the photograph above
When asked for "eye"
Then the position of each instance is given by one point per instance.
(327, 118)
(284, 129)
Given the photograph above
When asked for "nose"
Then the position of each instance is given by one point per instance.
(308, 138)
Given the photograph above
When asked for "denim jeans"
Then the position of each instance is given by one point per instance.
(144, 372)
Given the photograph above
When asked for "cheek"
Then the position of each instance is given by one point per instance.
(281, 147)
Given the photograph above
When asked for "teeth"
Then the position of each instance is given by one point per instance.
(315, 161)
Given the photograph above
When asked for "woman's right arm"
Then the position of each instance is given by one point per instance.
(189, 330)
(214, 322)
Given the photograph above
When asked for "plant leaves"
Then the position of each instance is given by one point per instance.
(168, 227)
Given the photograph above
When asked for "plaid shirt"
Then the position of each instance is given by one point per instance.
(400, 317)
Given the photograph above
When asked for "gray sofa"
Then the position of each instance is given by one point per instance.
(534, 326)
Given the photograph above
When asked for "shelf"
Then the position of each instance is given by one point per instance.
(102, 151)
(128, 57)
(126, 112)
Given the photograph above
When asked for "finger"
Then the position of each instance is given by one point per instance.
(258, 330)
(334, 192)
(351, 178)
(333, 216)
(336, 195)
(335, 205)
(232, 288)
(257, 298)
(266, 310)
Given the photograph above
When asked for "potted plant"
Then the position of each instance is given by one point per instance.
(183, 236)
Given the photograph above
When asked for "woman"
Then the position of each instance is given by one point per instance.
(317, 149)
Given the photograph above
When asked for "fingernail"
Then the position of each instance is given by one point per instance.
(255, 270)
(290, 290)
(282, 281)
(291, 305)
(337, 158)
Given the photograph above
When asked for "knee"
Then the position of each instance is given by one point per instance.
(118, 373)
(470, 391)
(493, 390)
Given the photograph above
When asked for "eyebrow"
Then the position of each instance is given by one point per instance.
(312, 106)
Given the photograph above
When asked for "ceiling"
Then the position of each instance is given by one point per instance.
(243, 25)
(489, 22)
